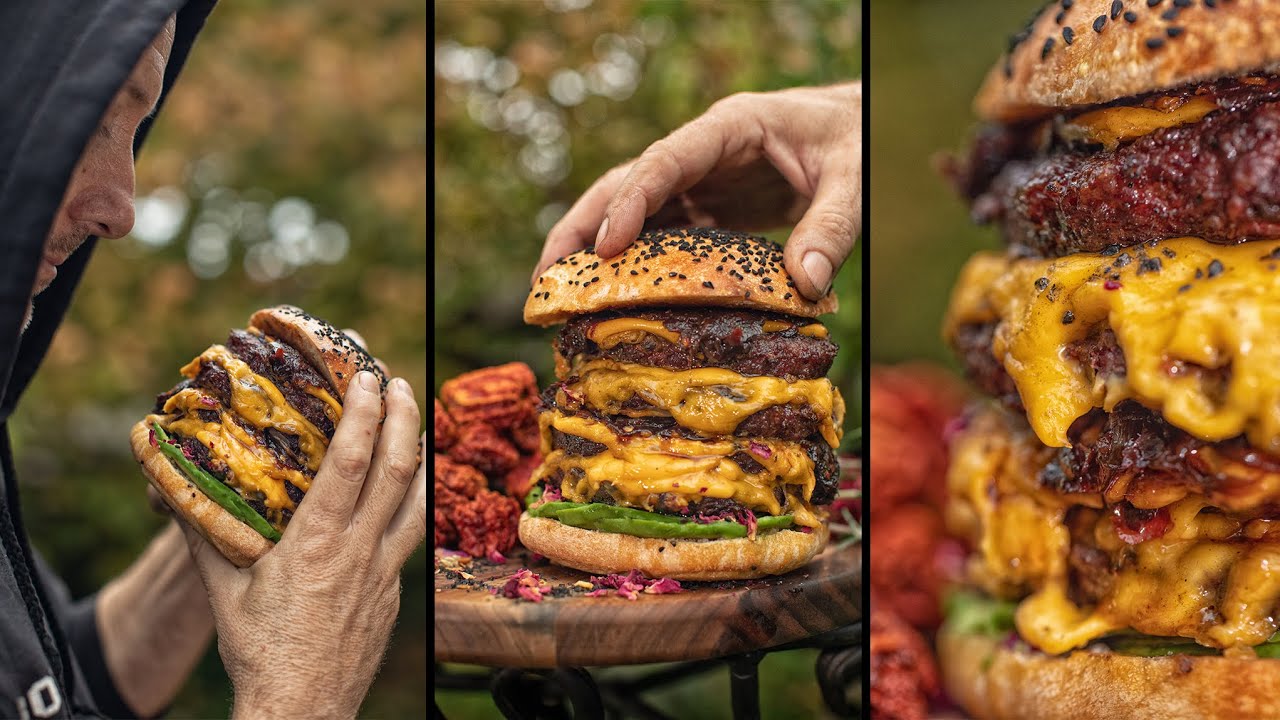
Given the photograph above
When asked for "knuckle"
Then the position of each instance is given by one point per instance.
(399, 466)
(349, 464)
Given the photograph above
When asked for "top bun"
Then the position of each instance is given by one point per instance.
(694, 266)
(329, 350)
(1095, 51)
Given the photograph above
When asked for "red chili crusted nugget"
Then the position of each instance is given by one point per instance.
(526, 434)
(904, 675)
(486, 523)
(480, 446)
(455, 481)
(445, 534)
(516, 482)
(446, 428)
(496, 396)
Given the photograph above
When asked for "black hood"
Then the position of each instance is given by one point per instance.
(63, 62)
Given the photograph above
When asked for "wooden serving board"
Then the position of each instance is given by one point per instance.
(706, 620)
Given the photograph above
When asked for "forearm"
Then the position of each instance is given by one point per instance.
(154, 623)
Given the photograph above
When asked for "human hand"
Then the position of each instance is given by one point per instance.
(753, 161)
(302, 631)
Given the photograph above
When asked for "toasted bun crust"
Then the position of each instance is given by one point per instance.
(672, 267)
(328, 349)
(733, 559)
(240, 543)
(1043, 73)
(991, 681)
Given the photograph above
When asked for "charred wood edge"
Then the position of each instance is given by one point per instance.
(542, 692)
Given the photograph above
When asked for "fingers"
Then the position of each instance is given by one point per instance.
(671, 166)
(157, 502)
(408, 527)
(579, 227)
(823, 238)
(337, 485)
(394, 460)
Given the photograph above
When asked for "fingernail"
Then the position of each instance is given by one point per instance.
(401, 386)
(367, 381)
(604, 230)
(818, 268)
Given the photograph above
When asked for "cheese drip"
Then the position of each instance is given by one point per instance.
(641, 467)
(256, 401)
(1212, 577)
(1195, 322)
(710, 401)
(1113, 125)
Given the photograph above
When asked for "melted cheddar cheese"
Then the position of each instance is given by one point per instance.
(641, 467)
(1208, 577)
(1113, 125)
(710, 401)
(1194, 321)
(630, 330)
(256, 401)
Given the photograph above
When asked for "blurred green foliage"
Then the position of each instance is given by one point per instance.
(928, 58)
(534, 102)
(305, 102)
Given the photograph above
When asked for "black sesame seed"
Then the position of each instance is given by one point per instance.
(1182, 3)
(1170, 14)
(707, 284)
(682, 277)
(1130, 16)
(1199, 273)
(1155, 43)
(1048, 46)
(1042, 283)
(787, 296)
(1173, 32)
(1153, 3)
(633, 272)
(672, 274)
(1215, 268)
(1116, 7)
(1184, 288)
(1099, 23)
(1066, 4)
(1211, 4)
(657, 280)
(1062, 15)
(1149, 265)
(1068, 35)
(1068, 317)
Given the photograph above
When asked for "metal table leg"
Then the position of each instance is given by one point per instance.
(541, 694)
(744, 685)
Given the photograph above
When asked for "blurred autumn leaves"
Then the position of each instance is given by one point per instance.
(288, 165)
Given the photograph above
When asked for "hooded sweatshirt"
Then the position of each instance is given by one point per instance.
(63, 61)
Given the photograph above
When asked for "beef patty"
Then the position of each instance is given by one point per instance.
(1215, 179)
(709, 337)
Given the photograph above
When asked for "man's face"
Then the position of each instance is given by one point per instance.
(99, 197)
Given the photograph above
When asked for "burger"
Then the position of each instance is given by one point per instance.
(1122, 489)
(233, 447)
(691, 432)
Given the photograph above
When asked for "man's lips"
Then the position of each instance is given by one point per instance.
(48, 271)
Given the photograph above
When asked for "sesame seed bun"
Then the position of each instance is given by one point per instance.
(694, 267)
(1119, 49)
(335, 354)
(772, 553)
(992, 681)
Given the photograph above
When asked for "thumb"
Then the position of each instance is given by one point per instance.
(216, 571)
(823, 238)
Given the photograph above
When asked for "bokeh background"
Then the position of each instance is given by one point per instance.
(534, 100)
(928, 58)
(288, 165)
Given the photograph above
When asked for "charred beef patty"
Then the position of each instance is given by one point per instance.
(826, 467)
(1131, 455)
(709, 337)
(1215, 179)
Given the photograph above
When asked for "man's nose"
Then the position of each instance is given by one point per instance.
(102, 197)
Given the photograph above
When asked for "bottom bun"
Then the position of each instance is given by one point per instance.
(591, 551)
(241, 544)
(992, 681)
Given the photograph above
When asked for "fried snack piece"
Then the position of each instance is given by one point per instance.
(498, 396)
(904, 674)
